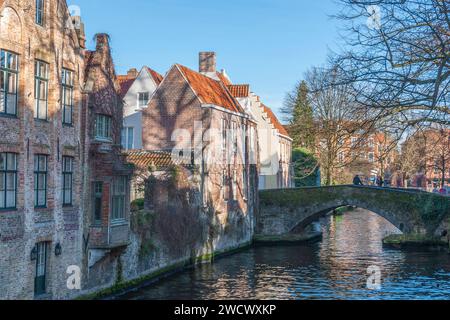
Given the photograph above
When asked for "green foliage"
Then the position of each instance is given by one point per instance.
(142, 224)
(306, 169)
(137, 205)
(300, 114)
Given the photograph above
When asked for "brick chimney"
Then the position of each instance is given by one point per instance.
(132, 73)
(207, 62)
(79, 29)
(102, 40)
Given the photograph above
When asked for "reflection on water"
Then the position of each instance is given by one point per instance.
(336, 268)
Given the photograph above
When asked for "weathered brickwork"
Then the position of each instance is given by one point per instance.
(70, 228)
(106, 235)
(21, 228)
(44, 233)
(174, 107)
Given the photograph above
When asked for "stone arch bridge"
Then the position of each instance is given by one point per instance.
(413, 212)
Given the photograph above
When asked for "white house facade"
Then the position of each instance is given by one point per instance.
(136, 89)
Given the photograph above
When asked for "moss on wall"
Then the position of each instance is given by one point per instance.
(421, 209)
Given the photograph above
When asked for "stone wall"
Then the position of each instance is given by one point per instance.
(282, 211)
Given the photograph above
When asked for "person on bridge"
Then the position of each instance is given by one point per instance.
(380, 181)
(357, 181)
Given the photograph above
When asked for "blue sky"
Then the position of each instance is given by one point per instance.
(266, 43)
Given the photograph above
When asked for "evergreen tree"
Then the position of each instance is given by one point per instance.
(299, 113)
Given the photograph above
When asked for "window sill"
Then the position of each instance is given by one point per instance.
(103, 140)
(68, 125)
(118, 222)
(10, 116)
(67, 206)
(40, 207)
(42, 120)
(6, 210)
(97, 224)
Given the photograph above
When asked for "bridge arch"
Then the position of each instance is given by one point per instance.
(413, 212)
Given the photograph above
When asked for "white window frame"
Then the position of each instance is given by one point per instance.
(139, 99)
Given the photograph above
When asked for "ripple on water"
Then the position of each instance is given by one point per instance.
(335, 268)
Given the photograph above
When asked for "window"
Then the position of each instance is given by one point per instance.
(98, 195)
(354, 141)
(224, 134)
(41, 90)
(8, 180)
(40, 181)
(371, 143)
(245, 182)
(234, 136)
(40, 280)
(118, 198)
(341, 157)
(67, 96)
(234, 184)
(128, 138)
(371, 157)
(225, 186)
(40, 12)
(9, 69)
(103, 127)
(67, 172)
(143, 98)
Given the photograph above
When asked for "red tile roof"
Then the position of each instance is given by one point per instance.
(144, 159)
(224, 78)
(156, 76)
(125, 83)
(239, 90)
(274, 120)
(210, 91)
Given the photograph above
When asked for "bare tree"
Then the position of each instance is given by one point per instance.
(399, 57)
(438, 152)
(338, 121)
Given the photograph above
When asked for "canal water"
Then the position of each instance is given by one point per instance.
(335, 268)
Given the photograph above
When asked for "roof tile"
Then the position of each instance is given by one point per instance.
(274, 120)
(239, 90)
(210, 91)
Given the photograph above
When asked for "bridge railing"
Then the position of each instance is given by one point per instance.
(405, 190)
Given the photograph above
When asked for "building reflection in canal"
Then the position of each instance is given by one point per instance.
(335, 268)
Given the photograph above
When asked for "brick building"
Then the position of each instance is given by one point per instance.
(428, 153)
(106, 194)
(59, 140)
(194, 115)
(368, 154)
(42, 71)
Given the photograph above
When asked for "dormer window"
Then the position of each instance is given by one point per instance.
(40, 12)
(143, 99)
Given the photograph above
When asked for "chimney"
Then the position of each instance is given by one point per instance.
(79, 29)
(132, 73)
(102, 40)
(207, 62)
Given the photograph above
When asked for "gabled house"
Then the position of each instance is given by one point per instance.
(194, 115)
(275, 145)
(136, 88)
(106, 189)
